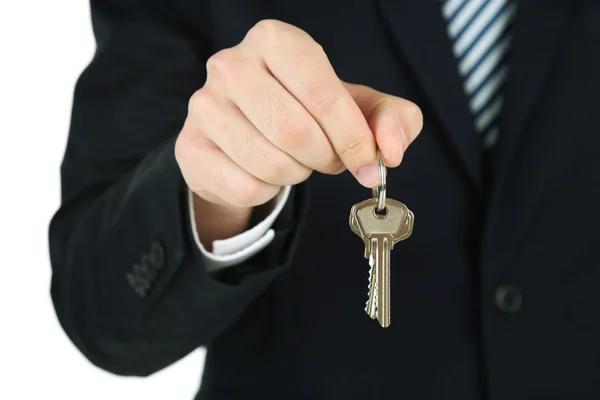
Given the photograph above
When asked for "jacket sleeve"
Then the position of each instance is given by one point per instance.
(129, 286)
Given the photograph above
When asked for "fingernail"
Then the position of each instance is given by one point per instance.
(402, 139)
(368, 175)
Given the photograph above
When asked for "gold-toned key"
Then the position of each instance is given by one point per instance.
(381, 223)
(404, 233)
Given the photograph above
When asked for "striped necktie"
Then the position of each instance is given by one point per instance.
(480, 35)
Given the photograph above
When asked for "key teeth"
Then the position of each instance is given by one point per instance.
(369, 291)
(375, 296)
(373, 311)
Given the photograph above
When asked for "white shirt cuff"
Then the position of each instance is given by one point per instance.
(239, 248)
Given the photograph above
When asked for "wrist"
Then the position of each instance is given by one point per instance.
(216, 221)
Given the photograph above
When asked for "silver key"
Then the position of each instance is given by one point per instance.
(380, 233)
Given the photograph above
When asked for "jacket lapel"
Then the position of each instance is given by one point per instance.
(538, 31)
(419, 30)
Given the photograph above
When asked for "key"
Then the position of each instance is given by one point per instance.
(405, 233)
(380, 231)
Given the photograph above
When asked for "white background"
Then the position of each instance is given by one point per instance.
(44, 46)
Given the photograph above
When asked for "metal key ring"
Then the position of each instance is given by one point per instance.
(379, 191)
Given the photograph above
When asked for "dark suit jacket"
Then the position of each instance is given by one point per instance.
(495, 296)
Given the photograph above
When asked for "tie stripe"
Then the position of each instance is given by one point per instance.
(480, 35)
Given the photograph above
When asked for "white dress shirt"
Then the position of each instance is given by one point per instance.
(237, 249)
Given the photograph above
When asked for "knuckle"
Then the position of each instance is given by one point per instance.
(277, 168)
(202, 101)
(222, 62)
(277, 34)
(183, 146)
(316, 47)
(320, 100)
(266, 31)
(186, 155)
(247, 193)
(215, 182)
(273, 166)
(290, 133)
(180, 151)
(307, 45)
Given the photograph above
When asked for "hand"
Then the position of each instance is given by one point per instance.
(272, 110)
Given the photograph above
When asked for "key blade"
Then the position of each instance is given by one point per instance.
(368, 250)
(382, 262)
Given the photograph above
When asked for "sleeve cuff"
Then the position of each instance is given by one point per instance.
(239, 248)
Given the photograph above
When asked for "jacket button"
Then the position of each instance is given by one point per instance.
(157, 255)
(508, 299)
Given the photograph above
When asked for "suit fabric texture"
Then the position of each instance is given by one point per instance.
(495, 295)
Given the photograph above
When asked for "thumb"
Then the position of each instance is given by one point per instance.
(395, 122)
